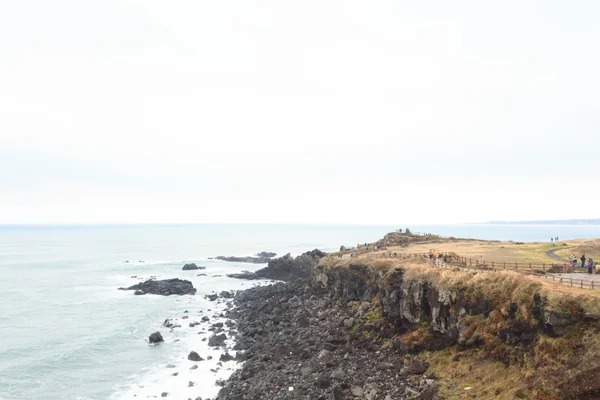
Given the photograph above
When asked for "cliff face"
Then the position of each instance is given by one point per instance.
(507, 316)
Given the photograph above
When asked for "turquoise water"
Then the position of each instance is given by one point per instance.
(67, 333)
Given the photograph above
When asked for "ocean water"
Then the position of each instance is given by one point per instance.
(68, 333)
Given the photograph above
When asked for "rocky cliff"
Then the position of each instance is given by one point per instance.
(512, 319)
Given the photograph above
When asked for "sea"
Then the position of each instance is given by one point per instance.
(66, 332)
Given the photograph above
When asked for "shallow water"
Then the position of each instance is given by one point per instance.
(67, 333)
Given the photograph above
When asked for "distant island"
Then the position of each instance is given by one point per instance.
(550, 222)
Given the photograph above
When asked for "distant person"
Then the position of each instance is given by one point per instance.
(583, 260)
(551, 240)
(590, 266)
(431, 256)
(556, 240)
(571, 260)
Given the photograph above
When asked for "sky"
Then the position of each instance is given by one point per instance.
(332, 112)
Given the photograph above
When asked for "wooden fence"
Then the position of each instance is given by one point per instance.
(493, 266)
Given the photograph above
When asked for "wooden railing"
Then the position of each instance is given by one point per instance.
(494, 266)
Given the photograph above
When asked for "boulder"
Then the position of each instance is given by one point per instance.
(193, 356)
(286, 268)
(217, 340)
(165, 287)
(139, 293)
(156, 337)
(191, 267)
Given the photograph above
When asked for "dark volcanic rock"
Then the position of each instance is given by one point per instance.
(165, 287)
(156, 337)
(191, 266)
(286, 268)
(266, 254)
(217, 340)
(320, 358)
(253, 260)
(193, 356)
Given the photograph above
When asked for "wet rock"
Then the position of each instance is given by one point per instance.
(193, 356)
(193, 367)
(217, 340)
(165, 287)
(226, 357)
(156, 337)
(164, 394)
(191, 266)
(139, 293)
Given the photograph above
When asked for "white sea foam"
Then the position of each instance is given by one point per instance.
(154, 380)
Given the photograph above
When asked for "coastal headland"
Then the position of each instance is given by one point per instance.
(381, 321)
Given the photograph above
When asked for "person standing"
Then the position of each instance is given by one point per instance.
(551, 240)
(583, 261)
(590, 266)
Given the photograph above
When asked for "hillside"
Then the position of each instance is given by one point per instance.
(485, 334)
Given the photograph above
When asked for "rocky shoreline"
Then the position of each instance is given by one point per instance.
(302, 343)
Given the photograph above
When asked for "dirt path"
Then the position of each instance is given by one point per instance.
(550, 253)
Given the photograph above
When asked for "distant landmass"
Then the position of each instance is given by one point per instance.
(550, 222)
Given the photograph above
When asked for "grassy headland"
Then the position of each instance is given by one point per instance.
(486, 334)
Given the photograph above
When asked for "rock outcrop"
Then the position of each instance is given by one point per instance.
(165, 287)
(286, 268)
(248, 259)
(156, 337)
(266, 254)
(191, 267)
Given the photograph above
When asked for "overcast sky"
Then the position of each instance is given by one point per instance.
(371, 112)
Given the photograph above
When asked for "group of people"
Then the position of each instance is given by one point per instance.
(554, 240)
(590, 263)
(432, 256)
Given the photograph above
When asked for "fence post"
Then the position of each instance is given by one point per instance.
(503, 265)
(582, 283)
(530, 265)
(544, 267)
(571, 281)
(561, 279)
(592, 284)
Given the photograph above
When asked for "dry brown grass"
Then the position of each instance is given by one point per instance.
(485, 378)
(500, 251)
(589, 247)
